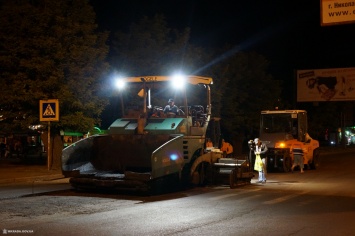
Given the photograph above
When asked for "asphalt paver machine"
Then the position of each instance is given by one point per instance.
(147, 149)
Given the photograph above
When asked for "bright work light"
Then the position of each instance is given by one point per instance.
(179, 81)
(120, 84)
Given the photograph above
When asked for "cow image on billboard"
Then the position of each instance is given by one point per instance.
(326, 85)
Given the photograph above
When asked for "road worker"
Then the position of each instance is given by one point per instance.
(226, 148)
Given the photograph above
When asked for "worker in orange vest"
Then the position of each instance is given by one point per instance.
(226, 148)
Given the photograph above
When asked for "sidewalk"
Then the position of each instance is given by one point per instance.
(14, 171)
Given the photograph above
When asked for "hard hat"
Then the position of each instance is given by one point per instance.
(256, 140)
(171, 100)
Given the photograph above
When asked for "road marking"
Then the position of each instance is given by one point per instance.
(232, 194)
(285, 198)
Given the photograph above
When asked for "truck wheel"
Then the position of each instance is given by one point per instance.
(202, 173)
(287, 163)
(199, 176)
(316, 159)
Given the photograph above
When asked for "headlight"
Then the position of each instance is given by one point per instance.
(280, 145)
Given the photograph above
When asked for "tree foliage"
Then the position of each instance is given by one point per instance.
(248, 90)
(324, 116)
(151, 47)
(51, 50)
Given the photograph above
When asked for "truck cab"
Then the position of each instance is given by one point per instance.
(280, 130)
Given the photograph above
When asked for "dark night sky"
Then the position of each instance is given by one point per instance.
(287, 33)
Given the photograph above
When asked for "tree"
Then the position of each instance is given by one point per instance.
(324, 116)
(151, 48)
(248, 90)
(51, 49)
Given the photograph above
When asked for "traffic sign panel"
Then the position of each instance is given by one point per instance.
(49, 110)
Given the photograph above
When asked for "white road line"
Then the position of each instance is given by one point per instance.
(284, 198)
(233, 194)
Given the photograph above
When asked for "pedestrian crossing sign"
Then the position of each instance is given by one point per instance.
(49, 110)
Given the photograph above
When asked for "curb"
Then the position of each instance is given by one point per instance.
(32, 179)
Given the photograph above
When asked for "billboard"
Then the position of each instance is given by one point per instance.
(337, 12)
(336, 84)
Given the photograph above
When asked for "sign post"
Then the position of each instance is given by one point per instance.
(49, 111)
